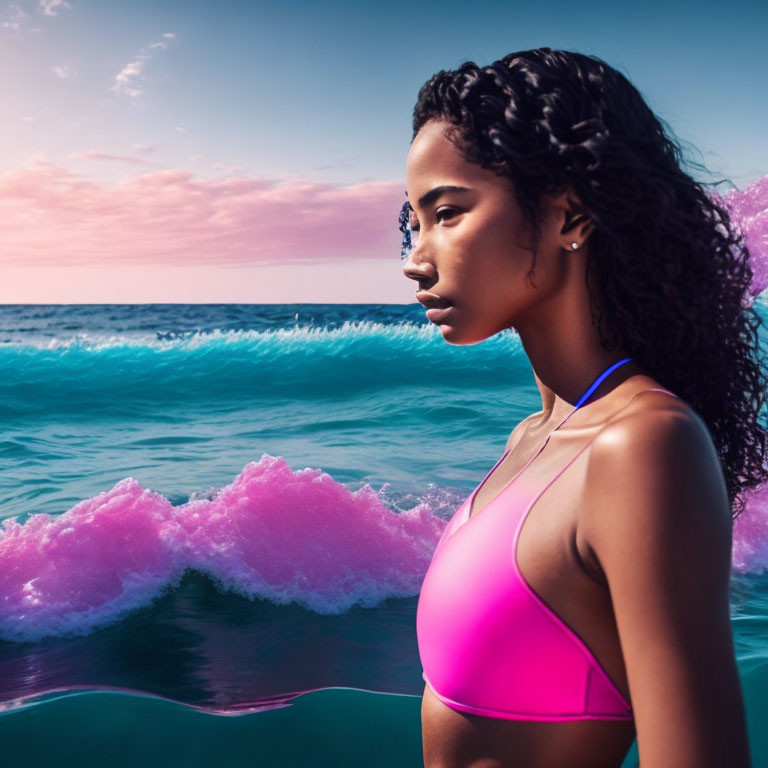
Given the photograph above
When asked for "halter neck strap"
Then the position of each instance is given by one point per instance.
(592, 387)
(596, 383)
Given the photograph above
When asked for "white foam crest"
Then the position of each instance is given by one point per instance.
(358, 329)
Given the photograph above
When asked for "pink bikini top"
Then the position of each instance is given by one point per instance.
(489, 645)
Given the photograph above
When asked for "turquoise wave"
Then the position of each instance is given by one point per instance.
(94, 375)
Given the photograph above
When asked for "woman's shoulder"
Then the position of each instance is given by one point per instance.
(656, 464)
(656, 432)
(652, 415)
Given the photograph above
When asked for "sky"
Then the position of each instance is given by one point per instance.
(253, 152)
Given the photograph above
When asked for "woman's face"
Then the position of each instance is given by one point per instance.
(473, 249)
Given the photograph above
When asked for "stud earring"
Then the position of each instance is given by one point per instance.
(574, 246)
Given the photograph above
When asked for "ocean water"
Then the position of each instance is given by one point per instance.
(216, 520)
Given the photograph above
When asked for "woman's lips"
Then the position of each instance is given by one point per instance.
(438, 314)
(437, 307)
(431, 299)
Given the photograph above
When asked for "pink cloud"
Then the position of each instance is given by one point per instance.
(52, 216)
(92, 154)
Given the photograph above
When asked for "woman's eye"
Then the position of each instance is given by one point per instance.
(443, 213)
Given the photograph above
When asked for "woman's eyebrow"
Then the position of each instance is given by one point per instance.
(433, 194)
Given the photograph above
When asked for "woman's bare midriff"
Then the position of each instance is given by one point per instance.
(559, 567)
(454, 739)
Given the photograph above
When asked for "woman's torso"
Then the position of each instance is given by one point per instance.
(557, 565)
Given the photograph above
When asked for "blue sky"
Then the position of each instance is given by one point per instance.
(321, 95)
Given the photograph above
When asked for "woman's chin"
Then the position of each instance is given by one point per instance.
(463, 337)
(449, 333)
(454, 335)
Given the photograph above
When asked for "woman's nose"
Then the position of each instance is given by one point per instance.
(416, 268)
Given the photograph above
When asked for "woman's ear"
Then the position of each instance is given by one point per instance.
(575, 222)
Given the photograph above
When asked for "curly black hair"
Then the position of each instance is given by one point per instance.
(667, 272)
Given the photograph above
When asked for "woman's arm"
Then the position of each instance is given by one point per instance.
(657, 517)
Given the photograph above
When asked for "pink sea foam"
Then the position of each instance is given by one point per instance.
(748, 208)
(750, 534)
(301, 536)
(65, 574)
(272, 533)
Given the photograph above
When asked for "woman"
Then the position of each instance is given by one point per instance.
(547, 198)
